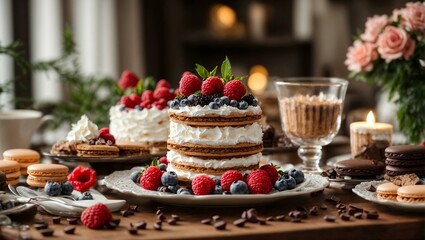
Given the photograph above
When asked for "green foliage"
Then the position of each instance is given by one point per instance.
(405, 82)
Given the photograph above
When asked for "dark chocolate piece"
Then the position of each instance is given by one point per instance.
(157, 226)
(215, 218)
(372, 215)
(220, 225)
(172, 221)
(314, 211)
(323, 207)
(117, 221)
(358, 215)
(329, 218)
(40, 226)
(56, 219)
(270, 219)
(176, 217)
(371, 188)
(161, 217)
(141, 225)
(240, 222)
(46, 232)
(281, 217)
(69, 230)
(134, 208)
(261, 221)
(72, 221)
(206, 221)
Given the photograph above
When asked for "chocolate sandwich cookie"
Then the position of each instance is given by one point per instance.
(405, 162)
(393, 171)
(87, 150)
(359, 168)
(409, 152)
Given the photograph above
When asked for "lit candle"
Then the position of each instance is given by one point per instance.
(365, 133)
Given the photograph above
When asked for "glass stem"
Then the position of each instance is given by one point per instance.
(310, 156)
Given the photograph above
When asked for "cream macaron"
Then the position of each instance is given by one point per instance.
(40, 174)
(387, 191)
(411, 194)
(12, 171)
(25, 157)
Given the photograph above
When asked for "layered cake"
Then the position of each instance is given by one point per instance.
(142, 116)
(214, 127)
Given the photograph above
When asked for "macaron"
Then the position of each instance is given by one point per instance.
(39, 174)
(400, 152)
(411, 194)
(359, 168)
(25, 157)
(387, 191)
(87, 150)
(12, 171)
(132, 149)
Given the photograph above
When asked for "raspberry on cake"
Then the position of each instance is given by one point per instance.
(142, 117)
(210, 132)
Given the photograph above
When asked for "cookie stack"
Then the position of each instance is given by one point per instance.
(404, 159)
(40, 174)
(25, 157)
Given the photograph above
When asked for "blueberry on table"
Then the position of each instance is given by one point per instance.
(290, 181)
(53, 188)
(174, 188)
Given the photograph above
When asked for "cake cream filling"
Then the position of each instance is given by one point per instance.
(147, 125)
(182, 133)
(197, 111)
(174, 157)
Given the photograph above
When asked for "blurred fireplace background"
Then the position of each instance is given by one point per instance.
(264, 39)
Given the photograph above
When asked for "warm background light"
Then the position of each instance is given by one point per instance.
(370, 119)
(257, 80)
(224, 16)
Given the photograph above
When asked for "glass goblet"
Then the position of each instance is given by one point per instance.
(310, 110)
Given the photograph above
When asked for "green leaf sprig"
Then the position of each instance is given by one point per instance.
(225, 71)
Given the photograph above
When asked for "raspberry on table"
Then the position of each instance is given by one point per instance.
(203, 185)
(96, 216)
(189, 84)
(212, 85)
(229, 177)
(151, 178)
(234, 89)
(259, 182)
(82, 178)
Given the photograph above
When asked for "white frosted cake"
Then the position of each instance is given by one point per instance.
(211, 141)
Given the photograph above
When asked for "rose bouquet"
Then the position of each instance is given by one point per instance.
(391, 54)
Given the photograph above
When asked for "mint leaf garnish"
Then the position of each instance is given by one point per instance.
(214, 71)
(226, 70)
(202, 71)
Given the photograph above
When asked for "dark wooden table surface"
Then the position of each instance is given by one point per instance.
(392, 224)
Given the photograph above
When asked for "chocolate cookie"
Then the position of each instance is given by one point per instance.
(405, 152)
(393, 171)
(405, 162)
(359, 168)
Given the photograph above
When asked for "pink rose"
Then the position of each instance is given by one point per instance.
(395, 43)
(374, 25)
(415, 16)
(399, 12)
(360, 56)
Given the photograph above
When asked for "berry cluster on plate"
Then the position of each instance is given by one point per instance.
(142, 94)
(212, 91)
(261, 181)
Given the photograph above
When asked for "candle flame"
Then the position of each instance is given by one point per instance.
(370, 119)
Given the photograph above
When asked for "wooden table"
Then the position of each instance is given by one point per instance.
(391, 224)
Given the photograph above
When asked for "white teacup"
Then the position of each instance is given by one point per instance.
(17, 128)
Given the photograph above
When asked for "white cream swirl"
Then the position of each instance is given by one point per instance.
(174, 157)
(196, 111)
(83, 130)
(147, 125)
(182, 133)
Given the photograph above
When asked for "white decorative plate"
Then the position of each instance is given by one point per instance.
(361, 191)
(121, 182)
